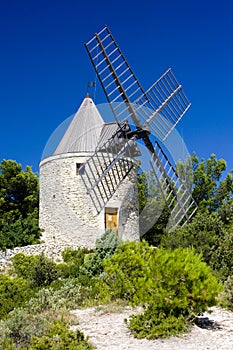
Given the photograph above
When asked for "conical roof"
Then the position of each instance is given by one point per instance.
(83, 133)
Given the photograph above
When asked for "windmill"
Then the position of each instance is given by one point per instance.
(138, 114)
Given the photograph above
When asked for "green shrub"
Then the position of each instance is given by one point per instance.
(154, 324)
(43, 272)
(7, 345)
(170, 284)
(71, 295)
(14, 292)
(59, 337)
(44, 300)
(178, 286)
(208, 235)
(123, 270)
(179, 282)
(44, 307)
(39, 270)
(73, 260)
(23, 264)
(105, 247)
(74, 255)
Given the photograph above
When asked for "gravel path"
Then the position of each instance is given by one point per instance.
(107, 331)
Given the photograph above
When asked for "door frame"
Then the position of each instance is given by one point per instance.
(111, 210)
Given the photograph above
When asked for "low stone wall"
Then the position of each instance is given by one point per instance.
(52, 251)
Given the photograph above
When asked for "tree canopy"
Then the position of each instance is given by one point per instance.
(19, 202)
(210, 191)
(213, 194)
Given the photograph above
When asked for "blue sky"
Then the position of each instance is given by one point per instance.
(44, 67)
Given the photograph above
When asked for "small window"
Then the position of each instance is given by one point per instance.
(78, 166)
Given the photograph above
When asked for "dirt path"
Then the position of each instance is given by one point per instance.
(107, 331)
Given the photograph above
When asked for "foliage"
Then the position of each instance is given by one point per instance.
(209, 191)
(16, 231)
(154, 214)
(43, 272)
(222, 256)
(59, 337)
(204, 179)
(71, 295)
(206, 174)
(210, 231)
(46, 305)
(73, 260)
(203, 233)
(123, 270)
(39, 270)
(47, 299)
(14, 292)
(208, 235)
(226, 213)
(7, 344)
(23, 264)
(106, 246)
(74, 255)
(21, 326)
(142, 190)
(179, 283)
(227, 297)
(154, 324)
(19, 198)
(171, 285)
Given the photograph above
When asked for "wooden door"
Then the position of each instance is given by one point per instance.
(111, 220)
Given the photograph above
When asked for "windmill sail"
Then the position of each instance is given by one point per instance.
(160, 108)
(175, 192)
(156, 111)
(119, 83)
(164, 106)
(105, 170)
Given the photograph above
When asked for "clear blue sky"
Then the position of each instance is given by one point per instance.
(44, 67)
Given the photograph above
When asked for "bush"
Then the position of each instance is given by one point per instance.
(154, 324)
(21, 326)
(123, 270)
(179, 282)
(44, 307)
(39, 270)
(171, 285)
(59, 337)
(71, 295)
(105, 247)
(43, 272)
(14, 292)
(7, 345)
(207, 234)
(73, 260)
(23, 264)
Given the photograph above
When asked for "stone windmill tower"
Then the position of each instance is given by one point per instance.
(67, 215)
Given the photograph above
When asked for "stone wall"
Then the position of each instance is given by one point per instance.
(52, 251)
(67, 214)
